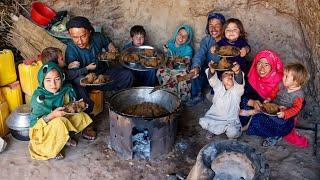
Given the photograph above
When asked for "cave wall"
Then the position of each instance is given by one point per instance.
(289, 27)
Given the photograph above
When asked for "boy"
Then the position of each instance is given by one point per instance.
(142, 78)
(223, 116)
(137, 37)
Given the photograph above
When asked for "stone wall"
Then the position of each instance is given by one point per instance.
(289, 27)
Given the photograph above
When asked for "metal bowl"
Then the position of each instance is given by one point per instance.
(124, 98)
(19, 122)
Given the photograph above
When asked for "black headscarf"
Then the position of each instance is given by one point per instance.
(80, 22)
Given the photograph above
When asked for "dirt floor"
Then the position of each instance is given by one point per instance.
(93, 160)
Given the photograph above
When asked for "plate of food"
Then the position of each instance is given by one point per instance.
(227, 51)
(147, 51)
(108, 56)
(151, 63)
(223, 65)
(270, 109)
(92, 79)
(75, 107)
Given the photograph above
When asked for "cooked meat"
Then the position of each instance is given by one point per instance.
(133, 58)
(153, 62)
(270, 108)
(224, 64)
(91, 78)
(145, 109)
(227, 50)
(147, 52)
(75, 107)
(108, 55)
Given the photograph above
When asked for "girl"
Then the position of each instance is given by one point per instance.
(234, 35)
(290, 97)
(49, 129)
(178, 46)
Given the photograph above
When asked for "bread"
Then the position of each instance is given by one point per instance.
(224, 64)
(147, 52)
(108, 55)
(133, 58)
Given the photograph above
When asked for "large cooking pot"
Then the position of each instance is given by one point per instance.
(19, 122)
(124, 98)
(139, 136)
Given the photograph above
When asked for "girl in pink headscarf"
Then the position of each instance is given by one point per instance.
(264, 76)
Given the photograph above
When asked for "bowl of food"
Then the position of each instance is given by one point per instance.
(270, 108)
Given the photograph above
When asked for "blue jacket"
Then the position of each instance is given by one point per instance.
(203, 56)
(184, 50)
(86, 56)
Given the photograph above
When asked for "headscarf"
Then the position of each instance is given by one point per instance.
(80, 22)
(184, 49)
(264, 85)
(212, 15)
(43, 101)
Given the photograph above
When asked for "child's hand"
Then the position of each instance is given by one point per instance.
(91, 66)
(243, 52)
(282, 108)
(74, 64)
(280, 114)
(257, 104)
(211, 67)
(58, 112)
(213, 49)
(267, 100)
(165, 48)
(236, 68)
(112, 48)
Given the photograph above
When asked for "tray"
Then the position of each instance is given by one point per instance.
(266, 113)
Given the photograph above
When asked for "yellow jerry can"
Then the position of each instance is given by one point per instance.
(7, 67)
(97, 97)
(12, 93)
(27, 99)
(2, 99)
(4, 113)
(28, 73)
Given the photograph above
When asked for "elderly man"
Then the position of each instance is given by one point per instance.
(84, 48)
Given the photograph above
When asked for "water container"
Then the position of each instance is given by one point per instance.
(13, 95)
(28, 72)
(2, 99)
(97, 97)
(27, 99)
(4, 113)
(7, 67)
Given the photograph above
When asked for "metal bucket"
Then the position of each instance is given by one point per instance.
(160, 131)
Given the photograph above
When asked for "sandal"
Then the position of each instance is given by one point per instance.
(270, 141)
(59, 156)
(89, 134)
(72, 142)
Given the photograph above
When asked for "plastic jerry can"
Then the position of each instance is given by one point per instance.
(28, 73)
(12, 93)
(4, 113)
(2, 99)
(7, 67)
(27, 99)
(97, 97)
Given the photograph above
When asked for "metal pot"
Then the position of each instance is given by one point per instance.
(157, 134)
(19, 122)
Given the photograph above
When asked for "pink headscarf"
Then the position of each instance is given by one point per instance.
(264, 85)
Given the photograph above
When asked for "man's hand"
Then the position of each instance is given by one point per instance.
(91, 66)
(112, 48)
(211, 67)
(213, 49)
(74, 64)
(195, 71)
